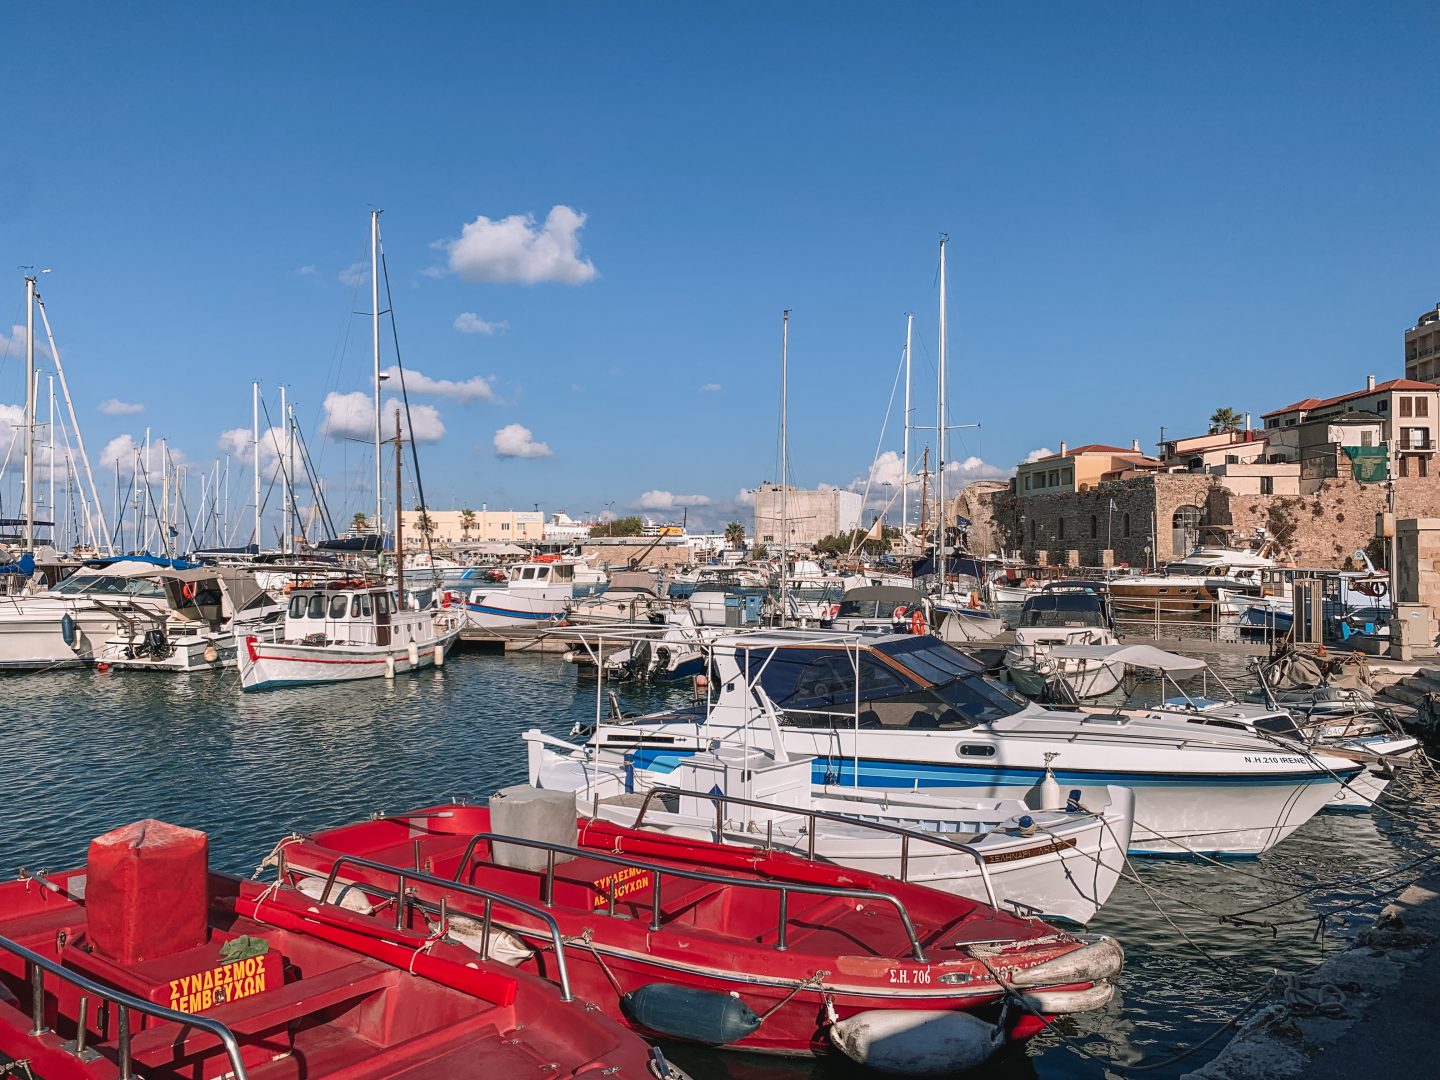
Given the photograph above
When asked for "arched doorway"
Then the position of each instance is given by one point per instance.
(1185, 529)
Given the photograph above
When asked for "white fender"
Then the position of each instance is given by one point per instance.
(390, 667)
(1060, 1002)
(349, 899)
(439, 655)
(1102, 958)
(916, 1042)
(412, 653)
(504, 947)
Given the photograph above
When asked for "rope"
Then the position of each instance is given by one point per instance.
(435, 935)
(273, 858)
(585, 940)
(817, 980)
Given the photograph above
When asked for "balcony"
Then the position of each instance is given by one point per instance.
(1422, 446)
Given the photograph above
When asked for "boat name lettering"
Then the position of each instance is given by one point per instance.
(1030, 852)
(624, 882)
(909, 976)
(194, 993)
(1273, 759)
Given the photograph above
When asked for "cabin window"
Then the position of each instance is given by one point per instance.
(382, 603)
(297, 607)
(528, 573)
(337, 607)
(365, 610)
(317, 606)
(355, 607)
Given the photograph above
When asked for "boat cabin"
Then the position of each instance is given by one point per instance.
(542, 573)
(343, 611)
(1067, 604)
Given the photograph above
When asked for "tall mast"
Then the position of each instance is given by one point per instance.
(54, 518)
(905, 458)
(924, 488)
(30, 412)
(399, 540)
(940, 445)
(255, 410)
(286, 503)
(290, 470)
(784, 457)
(375, 336)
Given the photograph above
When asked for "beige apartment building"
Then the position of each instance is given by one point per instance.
(454, 527)
(1404, 412)
(1422, 347)
(1079, 469)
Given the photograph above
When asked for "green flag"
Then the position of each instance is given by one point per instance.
(1369, 464)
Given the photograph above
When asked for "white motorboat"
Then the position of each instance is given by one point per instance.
(347, 630)
(536, 593)
(1053, 861)
(1379, 749)
(1064, 613)
(923, 715)
(632, 597)
(1191, 585)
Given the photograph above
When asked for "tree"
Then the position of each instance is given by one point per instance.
(625, 526)
(425, 524)
(467, 522)
(359, 523)
(1224, 420)
(735, 535)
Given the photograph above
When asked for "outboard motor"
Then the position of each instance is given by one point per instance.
(157, 644)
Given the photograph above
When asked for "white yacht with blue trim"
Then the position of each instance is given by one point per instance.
(908, 712)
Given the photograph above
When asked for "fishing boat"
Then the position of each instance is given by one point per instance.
(1039, 855)
(1064, 613)
(924, 715)
(535, 593)
(344, 630)
(724, 944)
(145, 963)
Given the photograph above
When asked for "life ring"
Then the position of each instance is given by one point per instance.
(188, 590)
(1029, 583)
(898, 615)
(917, 622)
(1374, 589)
(834, 610)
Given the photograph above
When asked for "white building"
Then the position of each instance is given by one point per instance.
(809, 515)
(563, 529)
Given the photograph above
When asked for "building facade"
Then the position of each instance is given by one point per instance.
(1078, 469)
(1422, 347)
(455, 527)
(809, 515)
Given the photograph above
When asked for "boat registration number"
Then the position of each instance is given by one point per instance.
(909, 976)
(1273, 759)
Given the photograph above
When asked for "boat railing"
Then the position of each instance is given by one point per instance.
(906, 835)
(660, 872)
(36, 968)
(405, 877)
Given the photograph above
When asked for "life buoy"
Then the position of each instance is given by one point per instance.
(917, 622)
(834, 610)
(1029, 583)
(1375, 589)
(188, 590)
(898, 615)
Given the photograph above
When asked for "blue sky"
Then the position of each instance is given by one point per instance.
(1154, 210)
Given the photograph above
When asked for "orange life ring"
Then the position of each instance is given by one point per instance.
(188, 590)
(917, 623)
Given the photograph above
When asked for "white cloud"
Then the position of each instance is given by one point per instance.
(351, 416)
(664, 500)
(119, 451)
(745, 497)
(972, 468)
(516, 249)
(12, 345)
(116, 407)
(516, 441)
(356, 274)
(1036, 454)
(711, 388)
(478, 388)
(307, 271)
(467, 322)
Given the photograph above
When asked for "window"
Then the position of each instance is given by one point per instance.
(1405, 406)
(504, 526)
(355, 606)
(317, 606)
(297, 607)
(1125, 525)
(337, 607)
(1367, 438)
(1060, 528)
(1267, 485)
(1027, 482)
(1384, 406)
(365, 609)
(1422, 406)
(382, 603)
(1404, 466)
(1068, 477)
(1094, 526)
(1422, 466)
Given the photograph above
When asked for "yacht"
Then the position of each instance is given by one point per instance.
(1064, 613)
(1192, 585)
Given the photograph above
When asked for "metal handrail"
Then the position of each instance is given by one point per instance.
(906, 835)
(404, 876)
(783, 888)
(36, 966)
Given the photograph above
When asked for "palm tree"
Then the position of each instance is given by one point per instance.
(359, 523)
(735, 535)
(467, 522)
(1224, 420)
(426, 524)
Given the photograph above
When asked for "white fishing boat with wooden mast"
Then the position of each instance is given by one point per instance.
(337, 631)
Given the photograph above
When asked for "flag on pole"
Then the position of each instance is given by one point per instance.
(1113, 507)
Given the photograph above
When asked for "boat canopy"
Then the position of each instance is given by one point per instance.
(23, 567)
(152, 561)
(1141, 656)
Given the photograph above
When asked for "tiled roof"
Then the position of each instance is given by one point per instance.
(1093, 448)
(1320, 403)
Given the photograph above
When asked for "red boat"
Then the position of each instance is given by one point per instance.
(146, 964)
(723, 944)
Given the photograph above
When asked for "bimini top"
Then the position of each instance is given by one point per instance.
(1141, 656)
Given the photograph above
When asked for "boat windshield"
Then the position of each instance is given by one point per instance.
(1063, 609)
(877, 609)
(109, 585)
(1181, 569)
(818, 687)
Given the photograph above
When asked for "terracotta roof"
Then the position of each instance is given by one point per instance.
(1320, 403)
(1092, 448)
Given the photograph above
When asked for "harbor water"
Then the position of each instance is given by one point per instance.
(87, 752)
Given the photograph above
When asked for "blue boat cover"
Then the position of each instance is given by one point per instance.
(25, 567)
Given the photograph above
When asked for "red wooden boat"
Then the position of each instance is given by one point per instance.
(145, 964)
(724, 944)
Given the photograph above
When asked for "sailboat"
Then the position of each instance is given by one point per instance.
(340, 630)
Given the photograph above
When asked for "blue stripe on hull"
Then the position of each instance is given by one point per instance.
(506, 613)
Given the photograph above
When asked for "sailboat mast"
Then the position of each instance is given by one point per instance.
(905, 457)
(286, 501)
(399, 539)
(940, 445)
(375, 337)
(784, 459)
(30, 412)
(924, 488)
(255, 412)
(54, 518)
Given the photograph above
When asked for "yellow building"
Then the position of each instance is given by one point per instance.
(1079, 469)
(454, 527)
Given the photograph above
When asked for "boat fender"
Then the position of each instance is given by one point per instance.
(412, 653)
(1072, 802)
(439, 655)
(390, 667)
(211, 653)
(1101, 958)
(505, 947)
(685, 1012)
(67, 629)
(916, 1042)
(349, 899)
(1061, 1002)
(1045, 793)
